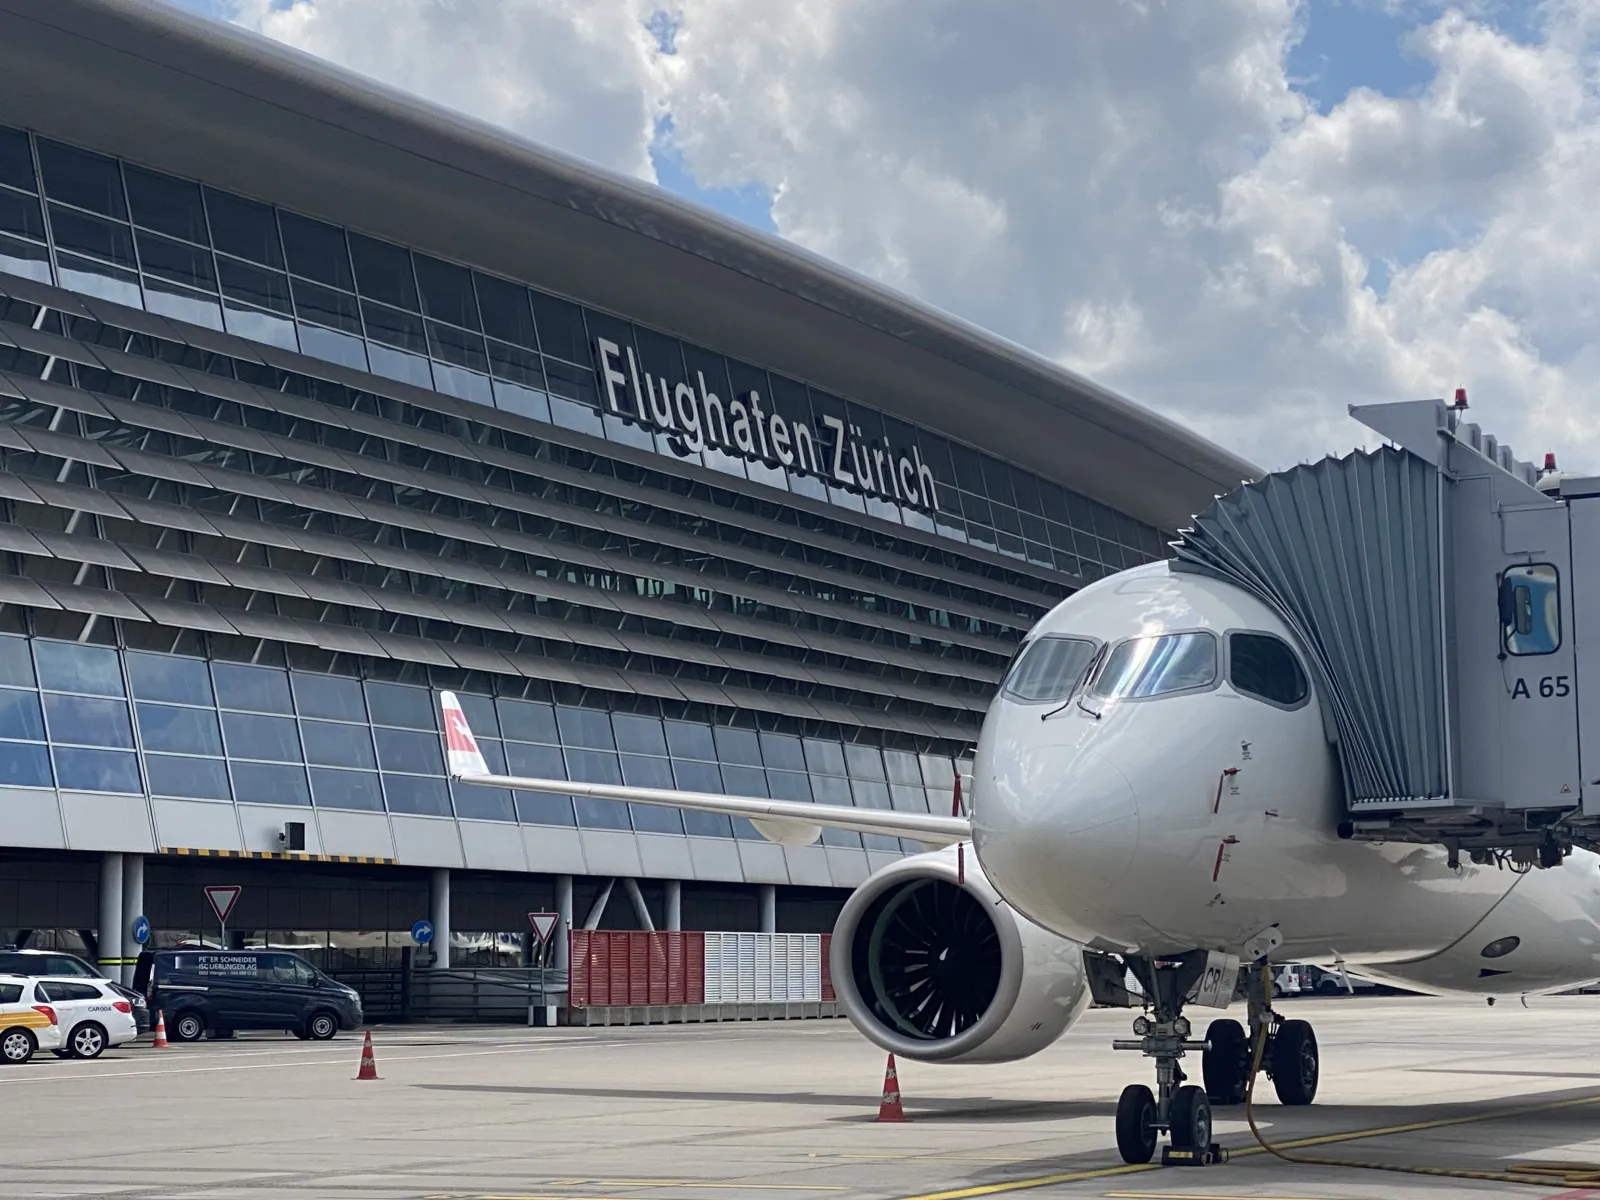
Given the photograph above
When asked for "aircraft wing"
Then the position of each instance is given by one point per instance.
(789, 822)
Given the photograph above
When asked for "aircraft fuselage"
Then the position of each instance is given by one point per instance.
(1202, 813)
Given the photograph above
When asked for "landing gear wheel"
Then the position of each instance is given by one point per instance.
(1191, 1119)
(1136, 1123)
(1295, 1063)
(1226, 1066)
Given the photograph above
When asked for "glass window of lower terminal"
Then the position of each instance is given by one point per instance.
(205, 749)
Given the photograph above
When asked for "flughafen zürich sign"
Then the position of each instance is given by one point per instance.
(741, 427)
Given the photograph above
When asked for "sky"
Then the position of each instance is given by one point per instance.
(1245, 214)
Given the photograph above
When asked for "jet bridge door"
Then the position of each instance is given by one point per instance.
(1514, 675)
(1583, 511)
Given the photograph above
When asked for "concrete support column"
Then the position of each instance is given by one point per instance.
(132, 910)
(439, 893)
(597, 910)
(108, 937)
(768, 893)
(564, 907)
(674, 905)
(641, 910)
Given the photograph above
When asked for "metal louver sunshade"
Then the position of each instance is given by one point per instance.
(1347, 551)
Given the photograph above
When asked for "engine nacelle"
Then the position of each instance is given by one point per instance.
(937, 970)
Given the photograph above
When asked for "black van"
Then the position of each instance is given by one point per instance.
(225, 990)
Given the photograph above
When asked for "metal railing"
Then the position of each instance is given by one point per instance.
(500, 994)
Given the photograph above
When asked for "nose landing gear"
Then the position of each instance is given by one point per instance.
(1181, 1110)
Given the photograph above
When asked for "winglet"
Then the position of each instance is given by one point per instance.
(461, 748)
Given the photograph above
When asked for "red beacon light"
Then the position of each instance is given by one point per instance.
(1461, 399)
(1549, 463)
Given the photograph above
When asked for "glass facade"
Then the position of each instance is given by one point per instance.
(268, 485)
(222, 261)
(95, 718)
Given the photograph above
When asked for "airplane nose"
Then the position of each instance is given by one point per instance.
(1056, 828)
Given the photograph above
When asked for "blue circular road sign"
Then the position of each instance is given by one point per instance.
(422, 932)
(141, 930)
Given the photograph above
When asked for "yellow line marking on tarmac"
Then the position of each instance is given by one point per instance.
(1038, 1181)
(629, 1184)
(689, 1183)
(982, 1158)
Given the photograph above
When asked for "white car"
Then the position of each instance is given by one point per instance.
(90, 1014)
(27, 1023)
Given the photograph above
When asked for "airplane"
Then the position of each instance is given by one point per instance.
(1153, 793)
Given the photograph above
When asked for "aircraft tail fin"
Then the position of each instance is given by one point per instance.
(461, 748)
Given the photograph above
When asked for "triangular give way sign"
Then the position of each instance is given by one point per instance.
(544, 924)
(222, 899)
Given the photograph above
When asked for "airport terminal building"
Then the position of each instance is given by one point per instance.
(316, 400)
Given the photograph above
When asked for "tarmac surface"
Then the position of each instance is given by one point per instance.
(785, 1111)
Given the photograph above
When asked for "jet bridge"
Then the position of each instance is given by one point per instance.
(1448, 597)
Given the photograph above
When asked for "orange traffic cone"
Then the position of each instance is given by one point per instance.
(160, 1042)
(889, 1108)
(369, 1065)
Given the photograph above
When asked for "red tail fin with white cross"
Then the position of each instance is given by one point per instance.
(461, 748)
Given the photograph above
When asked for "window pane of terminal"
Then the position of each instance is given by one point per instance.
(180, 730)
(337, 745)
(83, 179)
(383, 272)
(191, 778)
(447, 292)
(167, 205)
(84, 721)
(273, 738)
(316, 251)
(254, 689)
(329, 696)
(16, 160)
(244, 228)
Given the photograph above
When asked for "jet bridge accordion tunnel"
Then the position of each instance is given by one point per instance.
(1447, 596)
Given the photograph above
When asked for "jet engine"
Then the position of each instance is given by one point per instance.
(931, 964)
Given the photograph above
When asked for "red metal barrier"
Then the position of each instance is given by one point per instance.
(626, 969)
(694, 968)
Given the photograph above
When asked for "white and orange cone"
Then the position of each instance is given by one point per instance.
(889, 1107)
(160, 1042)
(369, 1065)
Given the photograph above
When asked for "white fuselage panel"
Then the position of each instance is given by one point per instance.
(1199, 819)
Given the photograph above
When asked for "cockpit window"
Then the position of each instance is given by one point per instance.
(1263, 666)
(1155, 666)
(1049, 668)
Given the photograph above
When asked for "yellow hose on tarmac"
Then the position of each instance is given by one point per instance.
(1537, 1174)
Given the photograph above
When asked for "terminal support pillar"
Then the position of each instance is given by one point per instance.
(132, 910)
(109, 936)
(768, 893)
(440, 894)
(641, 910)
(674, 905)
(564, 929)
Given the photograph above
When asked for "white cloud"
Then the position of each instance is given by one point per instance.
(580, 75)
(1134, 188)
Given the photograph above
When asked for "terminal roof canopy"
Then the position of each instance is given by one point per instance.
(201, 98)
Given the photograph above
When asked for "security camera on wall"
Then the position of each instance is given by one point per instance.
(293, 835)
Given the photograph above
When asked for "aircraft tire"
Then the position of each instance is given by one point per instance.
(1136, 1124)
(1296, 1064)
(1226, 1066)
(1191, 1119)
